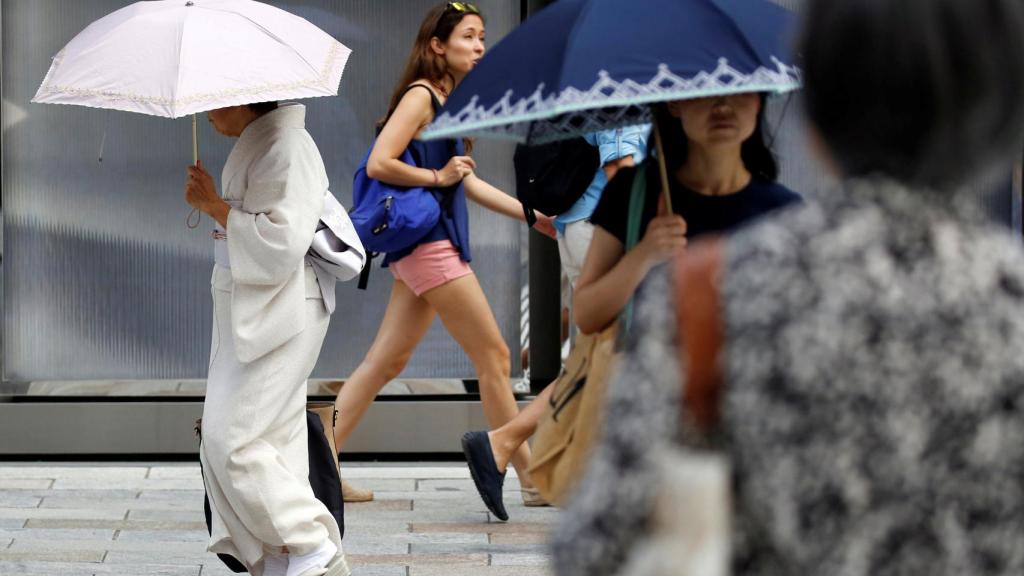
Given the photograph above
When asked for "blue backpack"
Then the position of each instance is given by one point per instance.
(390, 218)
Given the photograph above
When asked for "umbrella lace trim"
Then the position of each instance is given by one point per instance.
(607, 104)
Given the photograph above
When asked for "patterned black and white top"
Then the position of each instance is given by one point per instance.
(874, 403)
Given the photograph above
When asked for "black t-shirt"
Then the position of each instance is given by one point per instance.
(702, 213)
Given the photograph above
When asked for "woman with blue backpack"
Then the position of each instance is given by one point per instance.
(432, 273)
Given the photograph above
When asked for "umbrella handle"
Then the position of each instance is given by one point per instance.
(662, 171)
(195, 162)
(195, 141)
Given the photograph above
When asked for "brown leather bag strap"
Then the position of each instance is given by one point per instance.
(700, 332)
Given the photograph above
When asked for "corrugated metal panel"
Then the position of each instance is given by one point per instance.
(103, 280)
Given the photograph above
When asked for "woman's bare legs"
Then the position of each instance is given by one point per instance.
(510, 436)
(406, 319)
(463, 308)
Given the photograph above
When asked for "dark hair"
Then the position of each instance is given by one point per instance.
(756, 156)
(261, 108)
(928, 92)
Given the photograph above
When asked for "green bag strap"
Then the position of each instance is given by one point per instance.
(637, 195)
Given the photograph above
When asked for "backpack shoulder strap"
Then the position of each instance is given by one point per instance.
(434, 102)
(696, 275)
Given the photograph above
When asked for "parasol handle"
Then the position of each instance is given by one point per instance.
(195, 162)
(195, 141)
(662, 171)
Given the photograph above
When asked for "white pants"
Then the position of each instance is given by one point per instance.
(254, 449)
(572, 248)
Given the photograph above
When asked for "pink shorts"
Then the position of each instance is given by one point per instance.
(430, 265)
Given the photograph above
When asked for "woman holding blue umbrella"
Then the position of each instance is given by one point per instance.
(722, 176)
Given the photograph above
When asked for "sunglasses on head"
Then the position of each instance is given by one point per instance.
(464, 7)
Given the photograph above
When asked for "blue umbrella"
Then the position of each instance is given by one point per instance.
(580, 66)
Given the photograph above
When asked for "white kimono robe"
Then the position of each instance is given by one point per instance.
(269, 324)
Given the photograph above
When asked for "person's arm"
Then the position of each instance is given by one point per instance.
(495, 200)
(613, 166)
(619, 148)
(610, 276)
(414, 111)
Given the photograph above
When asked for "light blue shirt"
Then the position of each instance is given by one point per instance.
(611, 145)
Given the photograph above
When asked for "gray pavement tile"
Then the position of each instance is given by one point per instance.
(379, 505)
(420, 538)
(215, 567)
(418, 559)
(466, 504)
(163, 536)
(165, 557)
(179, 515)
(58, 500)
(51, 555)
(519, 538)
(6, 543)
(477, 548)
(17, 499)
(165, 471)
(457, 515)
(430, 495)
(95, 513)
(377, 571)
(131, 483)
(57, 535)
(479, 571)
(25, 483)
(114, 524)
(519, 559)
(91, 568)
(108, 545)
(373, 529)
(172, 495)
(519, 513)
(383, 484)
(45, 569)
(96, 472)
(374, 547)
(393, 472)
(485, 528)
(449, 485)
(12, 523)
(87, 495)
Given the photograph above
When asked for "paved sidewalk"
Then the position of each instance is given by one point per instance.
(147, 520)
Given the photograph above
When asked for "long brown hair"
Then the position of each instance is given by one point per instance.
(439, 23)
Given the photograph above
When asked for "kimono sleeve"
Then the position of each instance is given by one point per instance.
(270, 234)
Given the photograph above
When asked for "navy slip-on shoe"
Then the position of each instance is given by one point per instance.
(477, 448)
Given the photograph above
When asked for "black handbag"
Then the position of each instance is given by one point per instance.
(323, 470)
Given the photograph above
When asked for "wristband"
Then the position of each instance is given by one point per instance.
(437, 179)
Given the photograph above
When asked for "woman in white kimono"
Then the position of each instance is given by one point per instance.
(269, 323)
